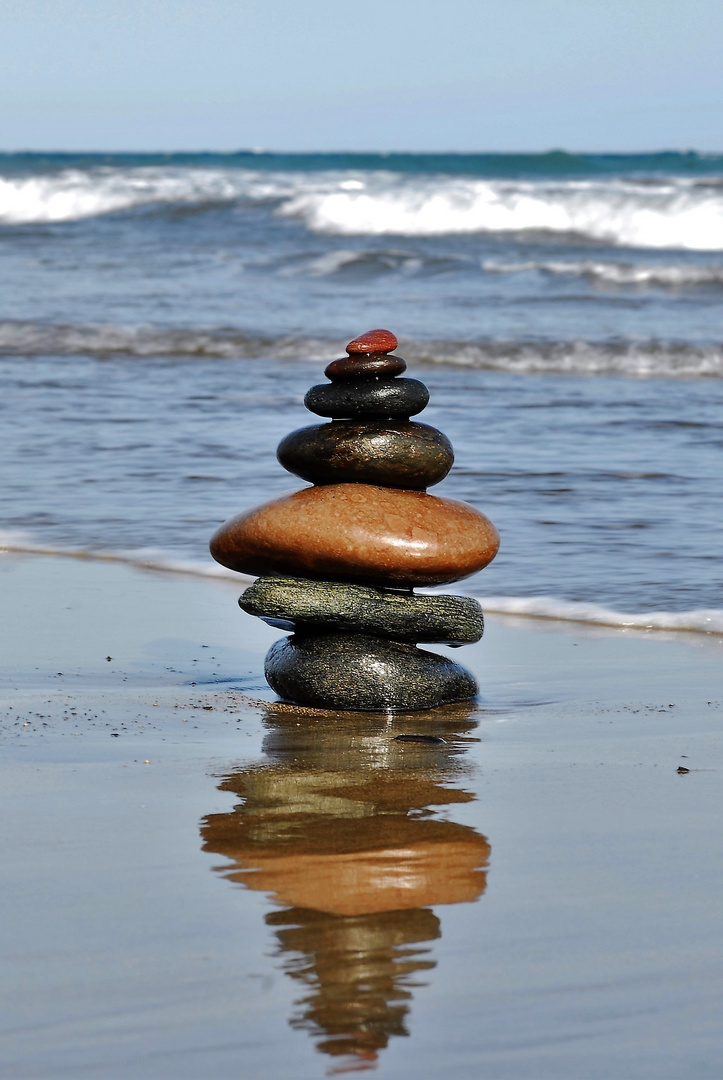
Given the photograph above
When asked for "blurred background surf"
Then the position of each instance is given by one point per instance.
(163, 315)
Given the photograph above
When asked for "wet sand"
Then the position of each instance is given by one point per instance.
(201, 883)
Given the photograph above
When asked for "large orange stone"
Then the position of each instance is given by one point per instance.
(359, 532)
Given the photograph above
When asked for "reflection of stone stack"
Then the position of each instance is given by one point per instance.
(358, 974)
(348, 831)
(314, 840)
(334, 559)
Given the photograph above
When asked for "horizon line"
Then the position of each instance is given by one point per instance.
(259, 152)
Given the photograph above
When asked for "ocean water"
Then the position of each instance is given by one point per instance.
(162, 316)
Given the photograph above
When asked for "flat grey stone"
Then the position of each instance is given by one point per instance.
(292, 603)
(356, 671)
(390, 453)
(367, 398)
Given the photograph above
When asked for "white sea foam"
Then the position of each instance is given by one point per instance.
(76, 193)
(647, 359)
(72, 194)
(702, 620)
(331, 262)
(376, 262)
(651, 359)
(59, 339)
(144, 558)
(659, 213)
(675, 213)
(596, 271)
(707, 621)
(673, 276)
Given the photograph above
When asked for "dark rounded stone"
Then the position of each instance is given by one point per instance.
(294, 603)
(374, 341)
(365, 366)
(367, 673)
(391, 453)
(368, 398)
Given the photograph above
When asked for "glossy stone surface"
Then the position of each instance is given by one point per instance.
(392, 453)
(365, 366)
(374, 341)
(356, 671)
(300, 603)
(359, 532)
(367, 398)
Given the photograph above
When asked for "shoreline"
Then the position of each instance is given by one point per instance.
(707, 621)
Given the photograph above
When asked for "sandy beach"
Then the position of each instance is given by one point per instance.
(202, 883)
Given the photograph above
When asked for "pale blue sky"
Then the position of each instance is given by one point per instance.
(378, 75)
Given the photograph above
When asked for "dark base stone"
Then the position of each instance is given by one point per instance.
(293, 603)
(367, 673)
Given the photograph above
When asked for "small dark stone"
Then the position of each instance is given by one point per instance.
(365, 366)
(368, 398)
(431, 739)
(366, 673)
(391, 453)
(293, 603)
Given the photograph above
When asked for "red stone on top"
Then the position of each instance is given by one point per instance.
(374, 341)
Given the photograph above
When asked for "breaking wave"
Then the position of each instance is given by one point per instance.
(652, 360)
(19, 338)
(144, 559)
(655, 212)
(73, 194)
(666, 276)
(648, 359)
(597, 272)
(701, 620)
(670, 213)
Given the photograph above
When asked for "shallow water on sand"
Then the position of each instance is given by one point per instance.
(606, 491)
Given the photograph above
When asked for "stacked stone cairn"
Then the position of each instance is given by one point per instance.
(337, 563)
